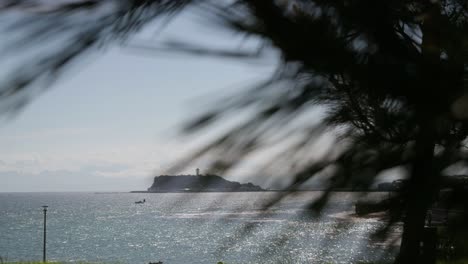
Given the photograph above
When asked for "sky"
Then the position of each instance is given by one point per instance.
(110, 124)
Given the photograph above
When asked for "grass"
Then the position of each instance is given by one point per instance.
(57, 262)
(40, 262)
(462, 261)
(5, 261)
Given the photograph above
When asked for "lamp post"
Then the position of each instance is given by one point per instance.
(45, 234)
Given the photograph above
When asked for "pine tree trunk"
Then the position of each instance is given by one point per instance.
(419, 193)
(423, 181)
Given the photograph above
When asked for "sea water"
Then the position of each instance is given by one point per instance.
(250, 227)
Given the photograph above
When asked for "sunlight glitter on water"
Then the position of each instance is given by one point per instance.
(185, 228)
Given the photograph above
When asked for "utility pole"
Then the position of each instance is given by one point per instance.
(45, 234)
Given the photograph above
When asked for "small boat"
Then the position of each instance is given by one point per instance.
(140, 202)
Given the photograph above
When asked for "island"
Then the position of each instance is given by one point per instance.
(198, 183)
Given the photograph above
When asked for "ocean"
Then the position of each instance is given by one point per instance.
(178, 228)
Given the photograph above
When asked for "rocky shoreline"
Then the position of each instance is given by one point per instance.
(198, 183)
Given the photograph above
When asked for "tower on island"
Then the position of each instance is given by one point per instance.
(198, 172)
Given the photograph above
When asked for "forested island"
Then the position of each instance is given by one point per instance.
(199, 183)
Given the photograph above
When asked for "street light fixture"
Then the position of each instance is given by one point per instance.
(45, 234)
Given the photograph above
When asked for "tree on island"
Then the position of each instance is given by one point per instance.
(388, 79)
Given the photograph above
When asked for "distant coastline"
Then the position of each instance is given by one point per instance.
(215, 183)
(264, 190)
